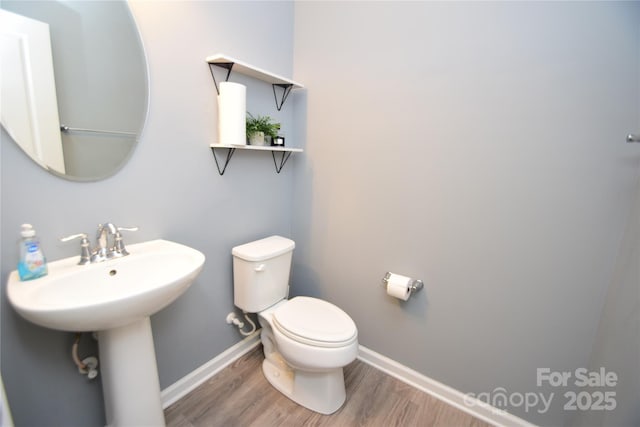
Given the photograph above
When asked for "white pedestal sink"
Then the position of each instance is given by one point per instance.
(114, 298)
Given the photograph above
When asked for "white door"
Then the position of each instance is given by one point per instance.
(28, 104)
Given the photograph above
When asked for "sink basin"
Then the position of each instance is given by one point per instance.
(114, 298)
(109, 294)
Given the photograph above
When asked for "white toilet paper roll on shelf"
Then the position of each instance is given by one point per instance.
(232, 114)
(401, 287)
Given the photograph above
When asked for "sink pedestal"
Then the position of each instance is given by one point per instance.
(130, 376)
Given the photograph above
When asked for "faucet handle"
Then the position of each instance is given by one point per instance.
(119, 249)
(74, 236)
(85, 251)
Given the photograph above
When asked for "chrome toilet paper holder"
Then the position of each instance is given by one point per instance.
(414, 285)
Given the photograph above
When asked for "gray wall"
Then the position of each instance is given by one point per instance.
(480, 147)
(617, 345)
(476, 146)
(170, 189)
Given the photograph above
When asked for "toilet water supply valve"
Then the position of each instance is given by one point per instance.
(87, 366)
(233, 318)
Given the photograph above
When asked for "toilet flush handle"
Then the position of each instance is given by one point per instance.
(260, 268)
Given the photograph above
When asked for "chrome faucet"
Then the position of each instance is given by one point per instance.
(102, 251)
(109, 244)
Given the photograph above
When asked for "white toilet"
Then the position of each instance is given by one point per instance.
(307, 341)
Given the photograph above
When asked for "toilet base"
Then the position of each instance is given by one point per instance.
(321, 392)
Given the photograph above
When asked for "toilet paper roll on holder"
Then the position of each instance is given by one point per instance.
(414, 285)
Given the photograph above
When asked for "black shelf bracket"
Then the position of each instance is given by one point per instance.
(283, 159)
(226, 162)
(283, 88)
(227, 66)
(278, 162)
(286, 90)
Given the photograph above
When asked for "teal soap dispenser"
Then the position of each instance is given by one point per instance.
(33, 263)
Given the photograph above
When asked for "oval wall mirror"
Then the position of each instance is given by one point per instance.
(75, 85)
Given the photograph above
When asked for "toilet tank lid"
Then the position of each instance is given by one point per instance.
(263, 249)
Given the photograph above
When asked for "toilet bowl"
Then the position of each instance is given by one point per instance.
(313, 334)
(306, 341)
(306, 351)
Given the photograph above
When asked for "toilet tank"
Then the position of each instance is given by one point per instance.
(261, 272)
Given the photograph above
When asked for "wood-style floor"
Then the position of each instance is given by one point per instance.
(239, 395)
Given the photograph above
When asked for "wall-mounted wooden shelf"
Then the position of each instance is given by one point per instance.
(285, 154)
(278, 83)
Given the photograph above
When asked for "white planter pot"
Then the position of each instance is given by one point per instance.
(257, 138)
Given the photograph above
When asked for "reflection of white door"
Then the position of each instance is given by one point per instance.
(28, 105)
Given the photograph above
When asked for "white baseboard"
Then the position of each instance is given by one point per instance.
(473, 406)
(188, 383)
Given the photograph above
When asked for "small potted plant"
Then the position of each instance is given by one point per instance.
(261, 129)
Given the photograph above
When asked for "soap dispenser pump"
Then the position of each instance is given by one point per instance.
(33, 263)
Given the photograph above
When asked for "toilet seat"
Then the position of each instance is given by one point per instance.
(315, 322)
